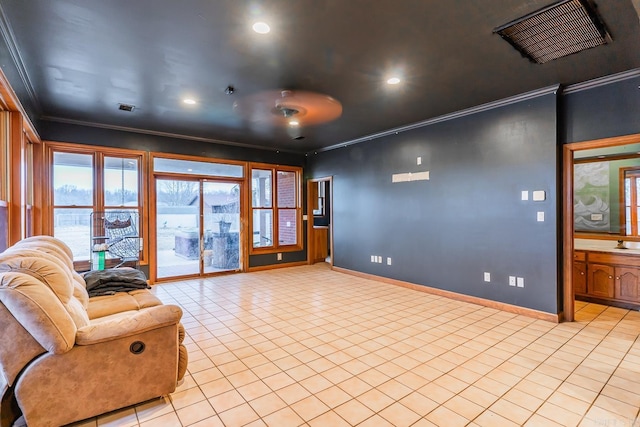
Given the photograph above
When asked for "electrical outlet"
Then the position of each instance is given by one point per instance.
(540, 216)
(380, 259)
(512, 280)
(520, 282)
(279, 256)
(388, 260)
(524, 195)
(487, 277)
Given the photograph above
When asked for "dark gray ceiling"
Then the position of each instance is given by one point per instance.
(84, 57)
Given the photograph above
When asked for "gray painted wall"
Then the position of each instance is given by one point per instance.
(468, 218)
(601, 112)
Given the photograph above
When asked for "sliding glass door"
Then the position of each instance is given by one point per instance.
(197, 227)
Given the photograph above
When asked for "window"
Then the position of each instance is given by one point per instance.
(88, 180)
(73, 200)
(276, 209)
(631, 213)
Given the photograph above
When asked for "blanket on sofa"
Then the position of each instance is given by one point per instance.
(112, 280)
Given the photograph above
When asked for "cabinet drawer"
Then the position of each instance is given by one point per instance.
(579, 256)
(608, 258)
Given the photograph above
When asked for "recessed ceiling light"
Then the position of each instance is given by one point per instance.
(189, 101)
(393, 80)
(261, 27)
(294, 123)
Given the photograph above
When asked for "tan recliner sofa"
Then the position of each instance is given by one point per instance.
(64, 356)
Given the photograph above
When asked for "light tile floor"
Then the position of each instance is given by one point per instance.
(310, 346)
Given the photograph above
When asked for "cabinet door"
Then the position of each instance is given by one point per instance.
(579, 278)
(600, 282)
(626, 285)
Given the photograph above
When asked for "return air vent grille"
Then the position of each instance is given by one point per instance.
(564, 28)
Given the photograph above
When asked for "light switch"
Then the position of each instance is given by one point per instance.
(419, 161)
(525, 195)
(520, 282)
(540, 216)
(539, 195)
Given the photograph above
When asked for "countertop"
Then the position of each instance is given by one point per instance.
(633, 248)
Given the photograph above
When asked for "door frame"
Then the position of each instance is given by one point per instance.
(568, 300)
(310, 230)
(153, 247)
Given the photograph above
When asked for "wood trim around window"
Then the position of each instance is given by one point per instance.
(299, 221)
(9, 101)
(99, 152)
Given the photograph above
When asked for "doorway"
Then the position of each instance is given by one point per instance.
(320, 220)
(197, 227)
(623, 144)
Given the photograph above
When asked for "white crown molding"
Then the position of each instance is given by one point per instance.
(163, 134)
(601, 81)
(462, 113)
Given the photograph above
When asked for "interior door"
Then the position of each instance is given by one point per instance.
(319, 222)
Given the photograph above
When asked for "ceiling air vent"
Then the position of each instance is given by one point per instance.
(126, 107)
(561, 29)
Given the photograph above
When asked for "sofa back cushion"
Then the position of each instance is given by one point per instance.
(55, 278)
(38, 310)
(79, 287)
(49, 240)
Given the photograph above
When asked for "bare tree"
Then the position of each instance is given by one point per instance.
(177, 193)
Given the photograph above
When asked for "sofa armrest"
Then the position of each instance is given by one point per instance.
(129, 324)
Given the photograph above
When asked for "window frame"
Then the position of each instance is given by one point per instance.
(633, 174)
(98, 154)
(275, 208)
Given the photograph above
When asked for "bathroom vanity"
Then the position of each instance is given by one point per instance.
(603, 273)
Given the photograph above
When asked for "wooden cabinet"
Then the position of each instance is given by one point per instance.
(600, 280)
(579, 277)
(627, 281)
(607, 277)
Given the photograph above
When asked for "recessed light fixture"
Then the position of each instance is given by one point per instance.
(393, 80)
(189, 101)
(294, 123)
(261, 27)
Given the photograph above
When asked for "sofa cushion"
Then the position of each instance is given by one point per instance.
(79, 290)
(53, 276)
(120, 302)
(38, 310)
(51, 240)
